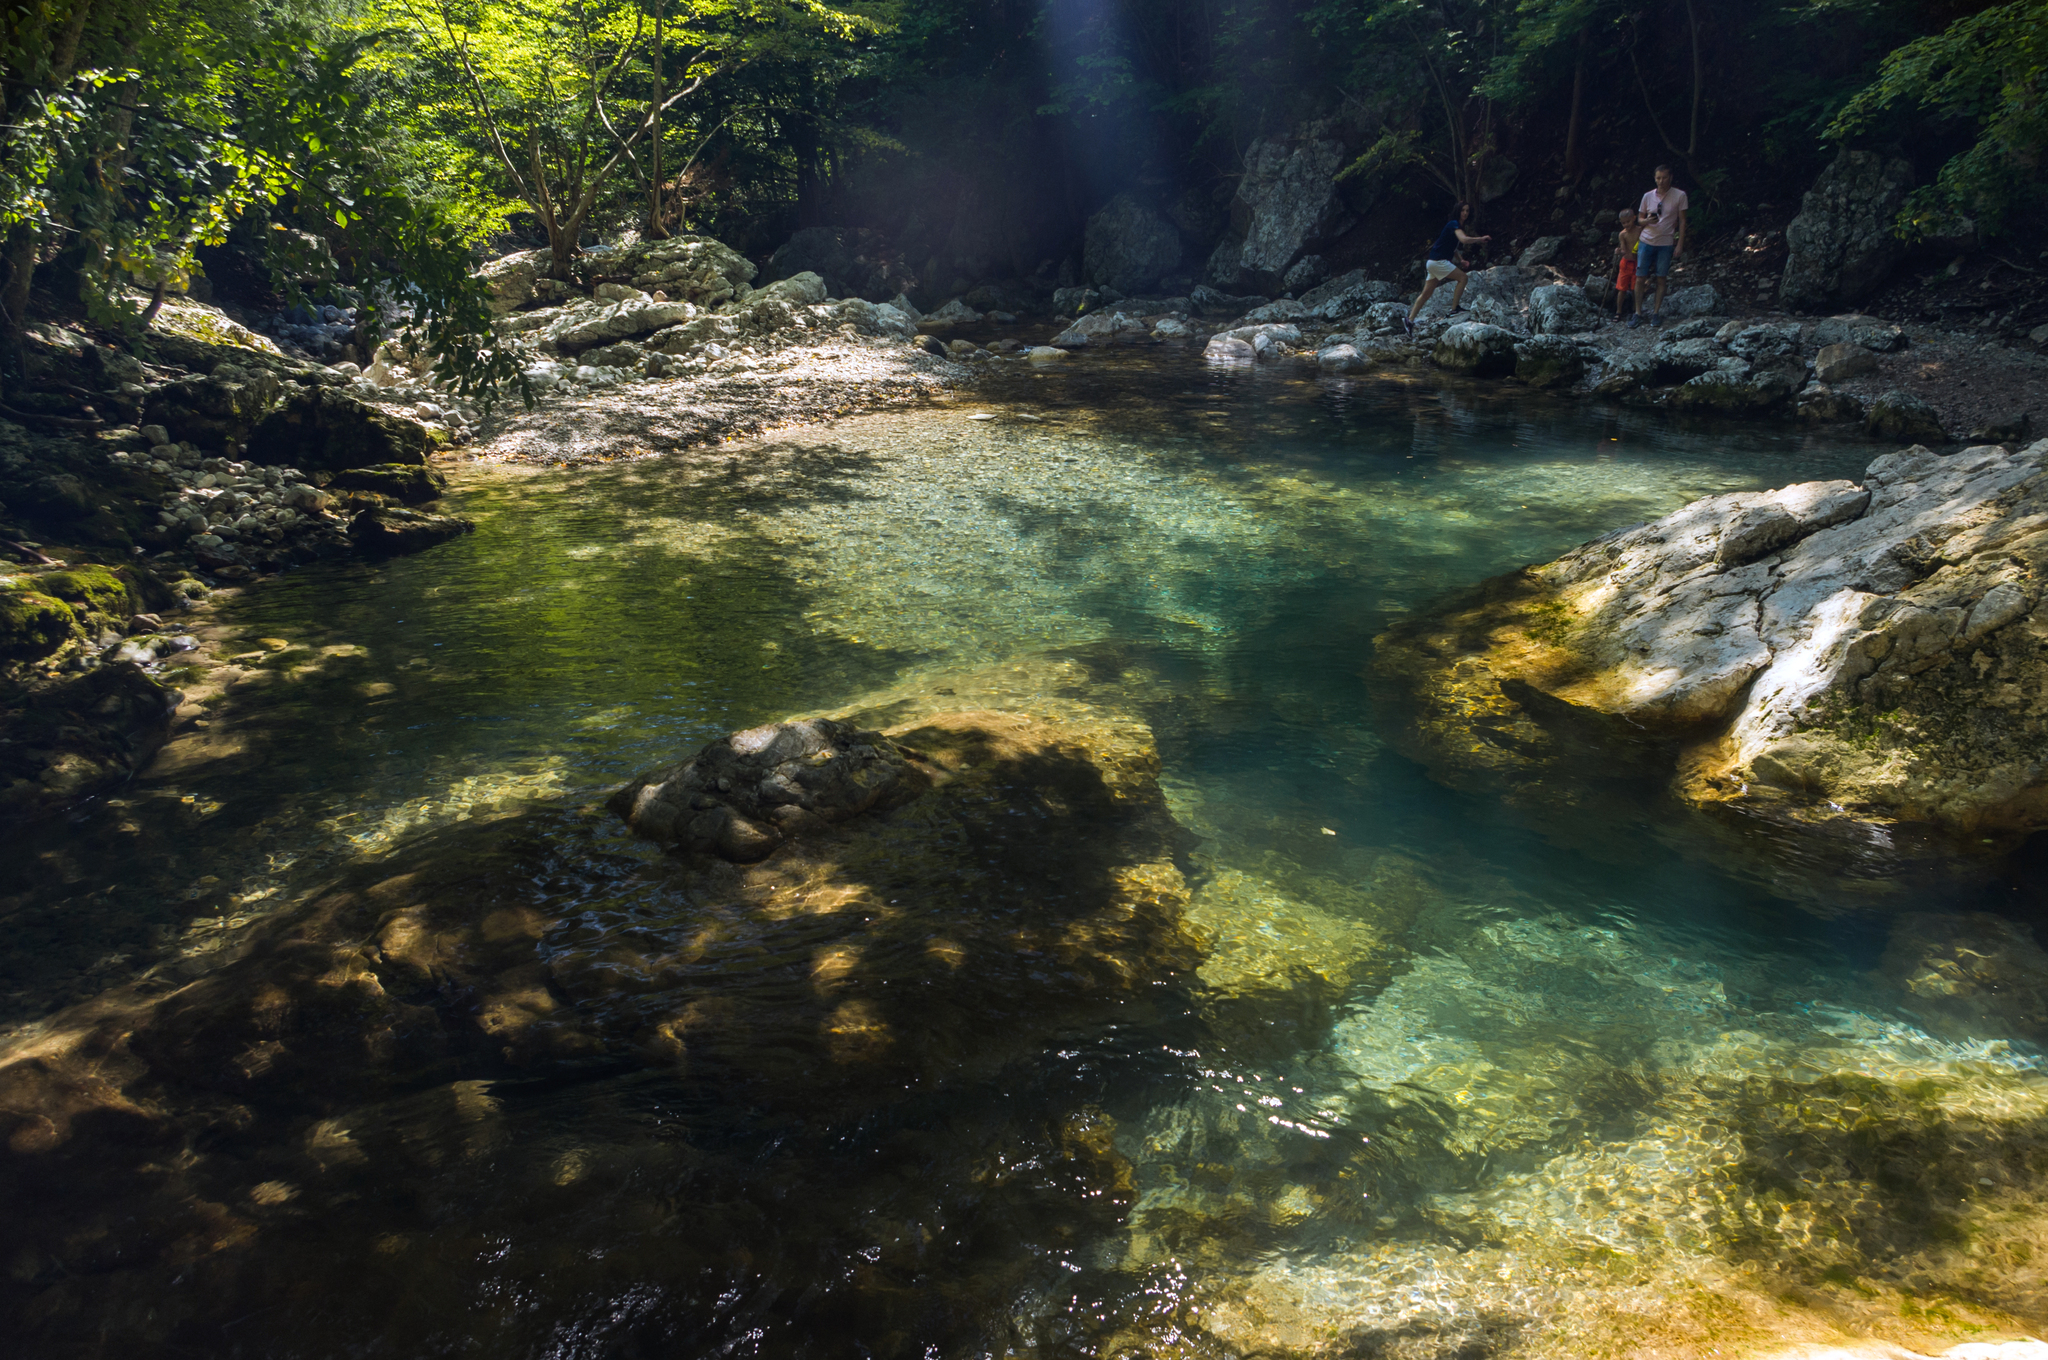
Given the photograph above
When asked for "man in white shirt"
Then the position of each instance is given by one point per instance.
(1662, 217)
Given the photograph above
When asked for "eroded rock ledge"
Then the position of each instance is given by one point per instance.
(1844, 656)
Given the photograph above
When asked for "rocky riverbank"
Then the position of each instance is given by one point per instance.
(1837, 676)
(1534, 327)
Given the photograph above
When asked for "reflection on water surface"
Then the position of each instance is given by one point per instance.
(1417, 1081)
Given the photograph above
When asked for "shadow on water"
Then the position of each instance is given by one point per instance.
(512, 663)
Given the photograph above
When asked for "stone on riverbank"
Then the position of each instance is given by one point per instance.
(1901, 415)
(1552, 360)
(323, 429)
(1842, 658)
(1347, 295)
(409, 483)
(1476, 348)
(1840, 362)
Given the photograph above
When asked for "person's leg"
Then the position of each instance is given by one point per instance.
(1663, 282)
(1421, 298)
(1458, 294)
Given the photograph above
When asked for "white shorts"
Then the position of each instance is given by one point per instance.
(1439, 270)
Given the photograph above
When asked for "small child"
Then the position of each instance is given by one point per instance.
(1625, 275)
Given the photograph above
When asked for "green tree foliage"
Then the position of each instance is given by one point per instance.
(1984, 72)
(550, 102)
(139, 131)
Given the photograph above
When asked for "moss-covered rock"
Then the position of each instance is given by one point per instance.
(33, 625)
(218, 410)
(322, 429)
(407, 482)
(107, 591)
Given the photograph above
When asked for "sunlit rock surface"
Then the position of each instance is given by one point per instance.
(1866, 654)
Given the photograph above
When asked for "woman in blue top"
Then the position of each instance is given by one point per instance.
(1443, 264)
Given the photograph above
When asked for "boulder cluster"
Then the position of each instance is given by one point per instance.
(652, 309)
(1533, 326)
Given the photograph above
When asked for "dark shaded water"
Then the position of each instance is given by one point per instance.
(1517, 1058)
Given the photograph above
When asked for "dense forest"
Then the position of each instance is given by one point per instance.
(293, 148)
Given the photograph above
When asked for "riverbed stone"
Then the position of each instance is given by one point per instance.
(1826, 655)
(78, 737)
(1029, 894)
(1101, 328)
(742, 796)
(1343, 358)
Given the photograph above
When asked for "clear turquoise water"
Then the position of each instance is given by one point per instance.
(1555, 1054)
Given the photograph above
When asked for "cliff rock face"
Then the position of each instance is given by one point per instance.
(1851, 658)
(1129, 246)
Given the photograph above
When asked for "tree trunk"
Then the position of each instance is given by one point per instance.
(656, 228)
(1692, 139)
(1572, 168)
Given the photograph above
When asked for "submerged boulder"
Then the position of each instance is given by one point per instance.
(65, 742)
(1028, 893)
(1850, 660)
(744, 795)
(389, 531)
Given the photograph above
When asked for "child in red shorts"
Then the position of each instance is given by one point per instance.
(1630, 237)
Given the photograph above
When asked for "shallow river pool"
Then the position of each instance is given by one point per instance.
(1440, 1084)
